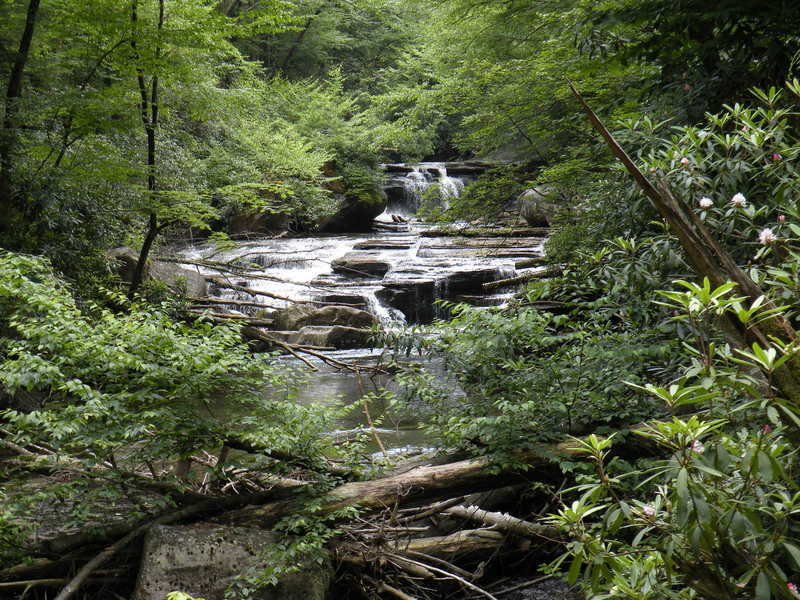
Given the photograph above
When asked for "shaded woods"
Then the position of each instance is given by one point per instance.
(617, 420)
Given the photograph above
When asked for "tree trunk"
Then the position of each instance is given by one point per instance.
(149, 113)
(8, 134)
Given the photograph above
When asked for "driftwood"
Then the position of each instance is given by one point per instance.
(481, 232)
(501, 283)
(223, 301)
(229, 318)
(709, 259)
(503, 521)
(524, 263)
(419, 484)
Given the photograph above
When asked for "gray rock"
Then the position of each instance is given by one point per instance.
(360, 266)
(204, 560)
(258, 223)
(301, 315)
(336, 336)
(355, 215)
(537, 206)
(178, 278)
(125, 259)
(413, 297)
(182, 280)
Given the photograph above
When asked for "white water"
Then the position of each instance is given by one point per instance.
(417, 190)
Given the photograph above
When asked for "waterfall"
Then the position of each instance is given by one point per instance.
(416, 186)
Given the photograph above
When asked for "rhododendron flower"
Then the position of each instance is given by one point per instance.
(767, 236)
(765, 429)
(685, 161)
(697, 446)
(706, 203)
(739, 200)
(648, 511)
(776, 157)
(793, 589)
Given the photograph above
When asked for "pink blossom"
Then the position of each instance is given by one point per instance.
(766, 429)
(767, 236)
(776, 157)
(739, 200)
(781, 219)
(648, 511)
(706, 203)
(697, 446)
(793, 589)
(685, 161)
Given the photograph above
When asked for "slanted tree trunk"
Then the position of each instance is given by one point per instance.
(8, 133)
(709, 259)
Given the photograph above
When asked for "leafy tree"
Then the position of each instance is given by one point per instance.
(136, 390)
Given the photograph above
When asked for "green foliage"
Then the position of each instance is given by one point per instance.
(719, 517)
(530, 376)
(135, 389)
(708, 54)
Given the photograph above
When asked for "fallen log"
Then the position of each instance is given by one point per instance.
(482, 232)
(524, 263)
(545, 272)
(460, 542)
(419, 484)
(224, 301)
(503, 521)
(226, 318)
(240, 288)
(254, 334)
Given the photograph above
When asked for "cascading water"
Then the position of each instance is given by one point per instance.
(418, 187)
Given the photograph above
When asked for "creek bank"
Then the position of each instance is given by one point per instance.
(397, 533)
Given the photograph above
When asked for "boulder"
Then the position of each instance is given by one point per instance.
(332, 336)
(537, 206)
(360, 266)
(178, 278)
(355, 214)
(183, 280)
(124, 259)
(301, 315)
(413, 297)
(470, 281)
(203, 561)
(258, 223)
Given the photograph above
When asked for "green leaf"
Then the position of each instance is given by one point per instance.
(793, 551)
(763, 590)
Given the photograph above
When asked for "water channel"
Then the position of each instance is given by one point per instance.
(398, 276)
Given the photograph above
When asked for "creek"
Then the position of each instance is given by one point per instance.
(396, 273)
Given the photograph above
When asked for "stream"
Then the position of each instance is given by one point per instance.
(396, 273)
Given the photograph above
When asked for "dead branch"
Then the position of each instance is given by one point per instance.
(503, 521)
(465, 541)
(419, 484)
(449, 575)
(209, 300)
(538, 274)
(227, 318)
